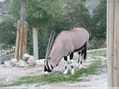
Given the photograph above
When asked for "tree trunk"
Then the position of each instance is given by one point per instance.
(23, 12)
(21, 39)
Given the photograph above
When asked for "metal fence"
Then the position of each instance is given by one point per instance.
(6, 55)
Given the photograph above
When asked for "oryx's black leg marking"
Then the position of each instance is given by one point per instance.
(72, 67)
(65, 67)
(81, 62)
(65, 58)
(71, 55)
(79, 56)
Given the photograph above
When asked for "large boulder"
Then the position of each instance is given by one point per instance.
(31, 61)
(13, 62)
(26, 57)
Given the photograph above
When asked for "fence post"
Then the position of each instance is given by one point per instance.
(113, 42)
(35, 42)
(0, 53)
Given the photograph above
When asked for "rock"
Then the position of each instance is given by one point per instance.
(21, 63)
(13, 62)
(31, 61)
(26, 57)
(7, 64)
(40, 63)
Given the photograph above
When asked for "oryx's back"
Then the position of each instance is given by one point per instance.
(74, 39)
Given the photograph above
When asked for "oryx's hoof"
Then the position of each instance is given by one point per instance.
(80, 67)
(72, 72)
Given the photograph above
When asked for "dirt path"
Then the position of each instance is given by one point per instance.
(9, 75)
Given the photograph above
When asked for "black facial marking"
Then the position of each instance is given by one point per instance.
(47, 68)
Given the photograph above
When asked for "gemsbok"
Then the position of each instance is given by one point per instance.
(66, 43)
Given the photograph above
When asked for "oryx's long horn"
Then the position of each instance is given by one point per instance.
(48, 46)
(51, 39)
(51, 42)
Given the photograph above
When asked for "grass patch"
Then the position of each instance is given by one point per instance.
(98, 53)
(58, 77)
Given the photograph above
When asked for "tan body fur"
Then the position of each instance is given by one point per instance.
(66, 42)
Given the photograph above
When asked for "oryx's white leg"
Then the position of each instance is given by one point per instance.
(66, 70)
(66, 66)
(80, 59)
(71, 60)
(72, 68)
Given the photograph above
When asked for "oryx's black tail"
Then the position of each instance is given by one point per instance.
(85, 51)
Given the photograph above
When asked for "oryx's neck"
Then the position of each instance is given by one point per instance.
(56, 54)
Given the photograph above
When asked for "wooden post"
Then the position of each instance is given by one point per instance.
(35, 42)
(116, 44)
(113, 42)
(17, 41)
(21, 40)
(0, 53)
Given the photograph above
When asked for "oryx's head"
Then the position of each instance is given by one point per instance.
(47, 65)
